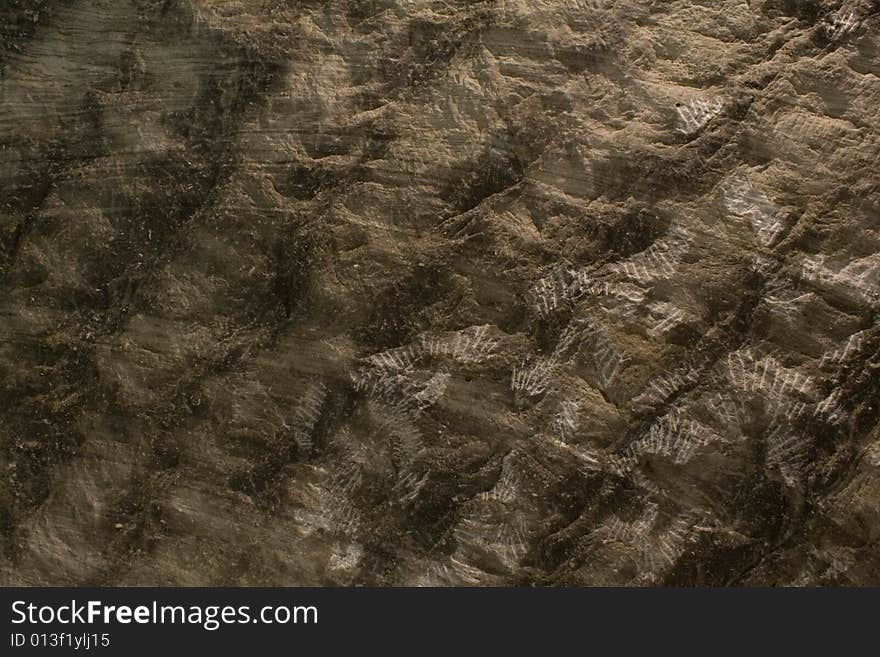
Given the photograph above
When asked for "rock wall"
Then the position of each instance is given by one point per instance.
(416, 292)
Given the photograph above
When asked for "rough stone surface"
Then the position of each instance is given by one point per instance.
(408, 292)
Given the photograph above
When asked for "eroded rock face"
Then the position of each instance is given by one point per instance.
(403, 292)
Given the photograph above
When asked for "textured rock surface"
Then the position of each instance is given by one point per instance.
(420, 292)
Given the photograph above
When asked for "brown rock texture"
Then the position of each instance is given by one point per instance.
(422, 292)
